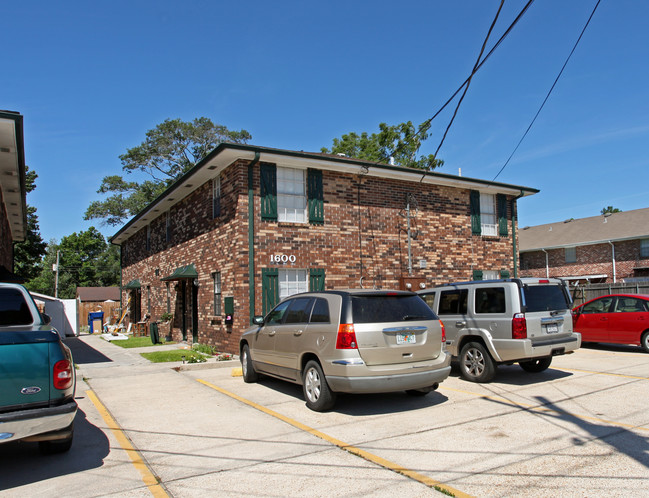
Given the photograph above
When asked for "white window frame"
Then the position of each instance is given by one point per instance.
(292, 281)
(291, 195)
(644, 248)
(488, 215)
(218, 307)
(490, 275)
(571, 254)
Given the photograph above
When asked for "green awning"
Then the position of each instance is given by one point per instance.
(182, 272)
(133, 284)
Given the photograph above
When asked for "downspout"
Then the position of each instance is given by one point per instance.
(514, 219)
(547, 264)
(251, 238)
(613, 257)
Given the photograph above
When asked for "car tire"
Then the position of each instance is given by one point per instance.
(57, 446)
(248, 371)
(319, 397)
(644, 341)
(537, 365)
(476, 364)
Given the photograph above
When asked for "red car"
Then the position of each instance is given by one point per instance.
(615, 318)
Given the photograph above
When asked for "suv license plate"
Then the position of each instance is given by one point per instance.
(406, 338)
(552, 328)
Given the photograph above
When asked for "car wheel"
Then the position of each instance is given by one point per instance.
(537, 365)
(58, 446)
(476, 364)
(249, 374)
(644, 342)
(319, 397)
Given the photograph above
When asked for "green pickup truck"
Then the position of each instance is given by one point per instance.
(37, 377)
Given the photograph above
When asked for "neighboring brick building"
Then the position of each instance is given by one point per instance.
(249, 225)
(599, 249)
(13, 209)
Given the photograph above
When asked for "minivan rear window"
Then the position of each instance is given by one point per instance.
(385, 308)
(545, 298)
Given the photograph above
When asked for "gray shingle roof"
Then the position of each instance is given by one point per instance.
(596, 229)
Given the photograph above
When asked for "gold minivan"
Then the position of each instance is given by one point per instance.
(352, 341)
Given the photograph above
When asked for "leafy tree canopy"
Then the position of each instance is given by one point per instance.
(28, 253)
(610, 210)
(169, 150)
(400, 142)
(85, 260)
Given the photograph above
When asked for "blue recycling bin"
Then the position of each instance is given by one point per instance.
(96, 315)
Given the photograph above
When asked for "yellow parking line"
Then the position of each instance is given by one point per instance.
(538, 408)
(148, 478)
(431, 483)
(604, 373)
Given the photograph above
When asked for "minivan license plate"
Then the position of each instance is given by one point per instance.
(406, 338)
(552, 328)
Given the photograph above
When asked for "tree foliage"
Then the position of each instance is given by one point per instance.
(400, 143)
(85, 260)
(28, 253)
(610, 210)
(169, 150)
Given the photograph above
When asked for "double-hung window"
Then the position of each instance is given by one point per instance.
(488, 222)
(291, 195)
(571, 254)
(644, 248)
(217, 292)
(292, 282)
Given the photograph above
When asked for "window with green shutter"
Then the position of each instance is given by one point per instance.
(316, 279)
(268, 179)
(501, 202)
(475, 212)
(477, 274)
(504, 273)
(315, 197)
(269, 289)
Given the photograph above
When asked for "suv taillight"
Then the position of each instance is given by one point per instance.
(519, 326)
(443, 332)
(346, 336)
(62, 374)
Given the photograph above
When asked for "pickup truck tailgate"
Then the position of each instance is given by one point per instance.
(25, 375)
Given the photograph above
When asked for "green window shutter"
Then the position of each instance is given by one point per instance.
(315, 196)
(475, 213)
(504, 273)
(477, 274)
(501, 206)
(317, 279)
(268, 179)
(269, 289)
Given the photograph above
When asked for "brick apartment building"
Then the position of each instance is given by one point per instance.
(249, 225)
(600, 249)
(13, 209)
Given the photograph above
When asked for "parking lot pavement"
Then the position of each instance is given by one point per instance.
(581, 428)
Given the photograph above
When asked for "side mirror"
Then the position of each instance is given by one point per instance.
(258, 320)
(47, 319)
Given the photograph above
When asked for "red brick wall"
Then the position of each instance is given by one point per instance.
(364, 235)
(593, 259)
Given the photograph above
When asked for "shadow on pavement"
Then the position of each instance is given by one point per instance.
(82, 353)
(22, 463)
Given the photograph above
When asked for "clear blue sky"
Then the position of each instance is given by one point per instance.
(91, 78)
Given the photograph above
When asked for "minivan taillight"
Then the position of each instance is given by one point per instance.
(346, 336)
(443, 332)
(519, 326)
(62, 374)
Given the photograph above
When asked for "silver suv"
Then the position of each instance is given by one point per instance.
(491, 322)
(354, 341)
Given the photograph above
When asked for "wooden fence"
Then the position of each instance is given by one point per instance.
(110, 309)
(587, 292)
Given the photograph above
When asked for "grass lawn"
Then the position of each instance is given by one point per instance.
(174, 355)
(137, 342)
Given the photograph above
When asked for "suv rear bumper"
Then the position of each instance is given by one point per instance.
(41, 424)
(413, 379)
(524, 349)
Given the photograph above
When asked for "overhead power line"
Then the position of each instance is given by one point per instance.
(549, 92)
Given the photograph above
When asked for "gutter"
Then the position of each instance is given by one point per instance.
(251, 237)
(613, 257)
(547, 264)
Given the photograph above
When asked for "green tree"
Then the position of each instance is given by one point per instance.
(28, 253)
(168, 151)
(399, 143)
(85, 260)
(610, 210)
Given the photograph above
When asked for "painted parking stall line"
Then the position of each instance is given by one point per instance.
(394, 467)
(149, 479)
